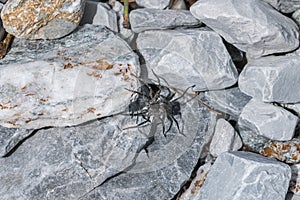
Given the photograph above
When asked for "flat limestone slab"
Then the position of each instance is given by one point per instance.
(68, 81)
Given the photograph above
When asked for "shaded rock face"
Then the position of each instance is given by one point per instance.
(68, 81)
(185, 58)
(154, 19)
(157, 4)
(38, 19)
(74, 162)
(245, 169)
(267, 33)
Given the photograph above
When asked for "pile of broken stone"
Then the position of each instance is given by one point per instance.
(65, 132)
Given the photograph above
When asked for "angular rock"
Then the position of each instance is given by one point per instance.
(188, 57)
(230, 101)
(296, 16)
(252, 25)
(267, 120)
(272, 79)
(98, 13)
(285, 6)
(68, 81)
(38, 19)
(101, 158)
(157, 4)
(225, 139)
(245, 175)
(153, 19)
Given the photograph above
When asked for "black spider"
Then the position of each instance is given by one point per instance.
(155, 103)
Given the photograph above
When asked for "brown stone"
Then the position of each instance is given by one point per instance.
(41, 19)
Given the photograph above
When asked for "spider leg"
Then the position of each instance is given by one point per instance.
(177, 125)
(171, 123)
(146, 145)
(139, 93)
(136, 126)
(184, 93)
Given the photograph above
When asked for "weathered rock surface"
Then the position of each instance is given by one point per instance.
(157, 4)
(188, 57)
(285, 6)
(225, 139)
(272, 78)
(68, 81)
(252, 25)
(245, 175)
(98, 13)
(193, 192)
(268, 120)
(230, 101)
(154, 19)
(38, 19)
(69, 163)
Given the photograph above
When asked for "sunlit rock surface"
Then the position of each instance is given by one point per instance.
(68, 81)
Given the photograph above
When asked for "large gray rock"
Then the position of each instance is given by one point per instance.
(157, 4)
(230, 101)
(68, 81)
(251, 25)
(188, 57)
(247, 176)
(152, 19)
(285, 6)
(272, 78)
(104, 160)
(225, 139)
(268, 120)
(98, 13)
(39, 19)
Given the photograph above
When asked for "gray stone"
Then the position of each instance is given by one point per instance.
(252, 25)
(154, 19)
(268, 120)
(272, 79)
(247, 176)
(230, 101)
(188, 57)
(124, 33)
(39, 19)
(104, 159)
(68, 81)
(296, 17)
(225, 139)
(10, 138)
(285, 6)
(98, 13)
(157, 4)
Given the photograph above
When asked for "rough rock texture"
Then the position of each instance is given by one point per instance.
(272, 78)
(291, 196)
(98, 13)
(296, 16)
(268, 120)
(225, 139)
(157, 4)
(285, 6)
(38, 19)
(193, 192)
(251, 25)
(69, 163)
(152, 19)
(188, 57)
(68, 81)
(10, 138)
(295, 179)
(245, 175)
(230, 101)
